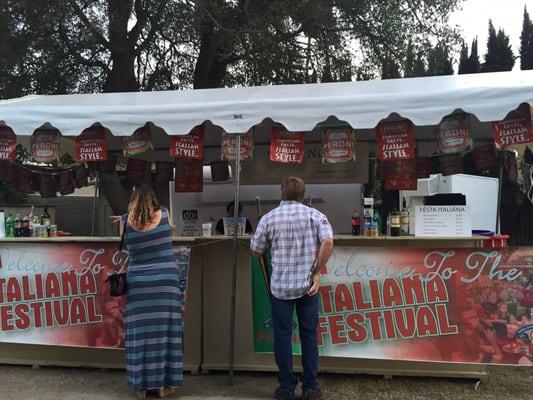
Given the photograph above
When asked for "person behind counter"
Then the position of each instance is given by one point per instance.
(230, 209)
(300, 240)
(153, 308)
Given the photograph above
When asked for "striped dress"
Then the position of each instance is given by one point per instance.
(153, 309)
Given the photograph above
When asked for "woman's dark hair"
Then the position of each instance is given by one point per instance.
(293, 189)
(231, 204)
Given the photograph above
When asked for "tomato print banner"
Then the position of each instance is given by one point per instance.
(400, 175)
(57, 294)
(395, 140)
(8, 144)
(91, 145)
(44, 146)
(515, 129)
(286, 147)
(466, 305)
(338, 145)
(188, 146)
(189, 176)
(484, 157)
(453, 134)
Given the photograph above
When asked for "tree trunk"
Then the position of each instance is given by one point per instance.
(122, 76)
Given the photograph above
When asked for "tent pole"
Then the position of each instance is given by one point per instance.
(500, 184)
(95, 205)
(236, 182)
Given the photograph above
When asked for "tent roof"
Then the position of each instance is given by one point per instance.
(362, 104)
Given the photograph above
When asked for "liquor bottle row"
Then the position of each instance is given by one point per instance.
(30, 225)
(397, 221)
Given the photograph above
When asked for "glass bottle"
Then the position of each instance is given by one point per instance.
(395, 227)
(45, 218)
(404, 219)
(356, 224)
(10, 226)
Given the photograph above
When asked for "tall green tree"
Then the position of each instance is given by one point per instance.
(419, 68)
(469, 63)
(526, 43)
(439, 61)
(499, 55)
(463, 59)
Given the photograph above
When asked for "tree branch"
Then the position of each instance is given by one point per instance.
(81, 15)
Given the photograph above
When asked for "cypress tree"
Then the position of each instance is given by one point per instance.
(473, 60)
(419, 68)
(526, 43)
(499, 55)
(463, 59)
(409, 61)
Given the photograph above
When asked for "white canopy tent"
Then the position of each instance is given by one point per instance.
(362, 105)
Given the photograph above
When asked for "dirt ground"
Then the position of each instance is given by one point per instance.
(47, 383)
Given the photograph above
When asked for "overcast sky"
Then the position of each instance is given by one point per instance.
(474, 17)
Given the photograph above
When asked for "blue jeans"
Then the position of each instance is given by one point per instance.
(307, 313)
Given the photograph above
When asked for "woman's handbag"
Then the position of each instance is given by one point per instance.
(117, 281)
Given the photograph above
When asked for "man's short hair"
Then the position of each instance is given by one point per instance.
(293, 189)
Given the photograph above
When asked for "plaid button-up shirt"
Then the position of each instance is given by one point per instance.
(293, 233)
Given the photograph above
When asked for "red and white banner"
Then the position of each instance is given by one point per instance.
(8, 144)
(228, 146)
(453, 134)
(189, 146)
(91, 145)
(464, 305)
(515, 129)
(63, 298)
(44, 146)
(286, 147)
(395, 140)
(25, 180)
(338, 145)
(139, 142)
(400, 175)
(189, 176)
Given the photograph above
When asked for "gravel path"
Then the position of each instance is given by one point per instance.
(47, 383)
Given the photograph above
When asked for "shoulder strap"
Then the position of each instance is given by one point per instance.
(123, 234)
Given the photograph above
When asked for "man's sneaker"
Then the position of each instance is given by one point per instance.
(313, 395)
(281, 394)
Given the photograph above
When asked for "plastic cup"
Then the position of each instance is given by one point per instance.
(206, 229)
(230, 223)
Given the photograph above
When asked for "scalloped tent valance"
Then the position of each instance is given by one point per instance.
(362, 104)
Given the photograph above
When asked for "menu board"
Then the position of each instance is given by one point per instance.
(443, 221)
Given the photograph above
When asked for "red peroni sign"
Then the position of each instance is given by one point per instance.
(286, 147)
(44, 146)
(338, 145)
(189, 146)
(515, 129)
(91, 145)
(395, 141)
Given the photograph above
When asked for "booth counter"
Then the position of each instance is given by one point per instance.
(207, 314)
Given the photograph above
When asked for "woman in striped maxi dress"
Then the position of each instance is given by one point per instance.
(153, 306)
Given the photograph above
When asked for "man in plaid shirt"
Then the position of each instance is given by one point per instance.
(300, 240)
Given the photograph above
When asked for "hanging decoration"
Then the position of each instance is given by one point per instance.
(286, 147)
(164, 171)
(47, 185)
(450, 164)
(423, 167)
(484, 157)
(136, 169)
(400, 175)
(139, 142)
(229, 146)
(219, 171)
(189, 146)
(91, 145)
(66, 183)
(8, 143)
(395, 140)
(188, 176)
(453, 134)
(26, 180)
(44, 146)
(515, 129)
(338, 145)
